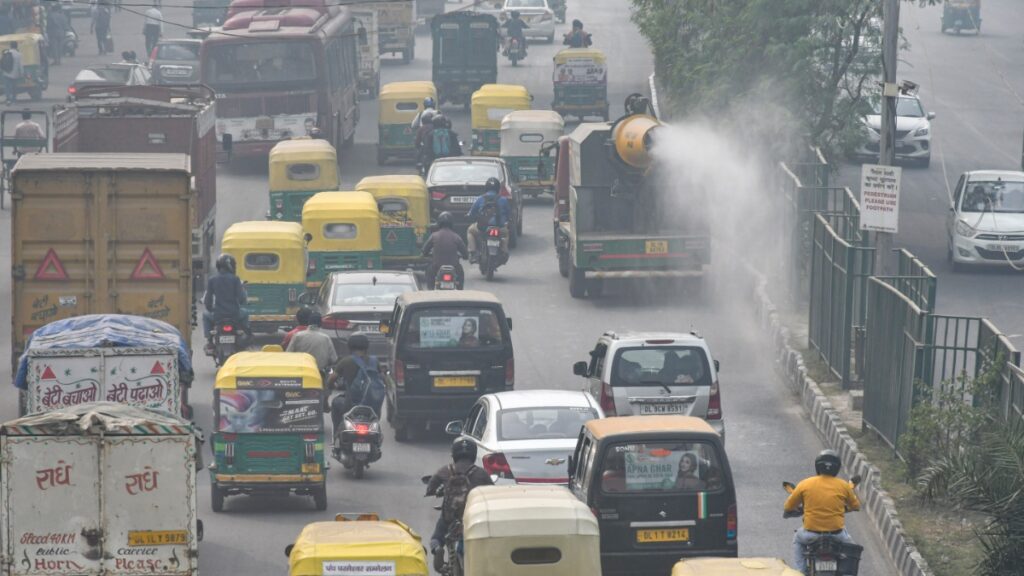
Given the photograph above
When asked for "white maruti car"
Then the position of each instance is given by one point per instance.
(986, 220)
(913, 132)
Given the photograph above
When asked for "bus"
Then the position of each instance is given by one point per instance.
(278, 73)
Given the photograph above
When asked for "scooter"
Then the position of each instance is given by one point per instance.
(70, 44)
(447, 278)
(358, 442)
(827, 556)
(228, 338)
(491, 256)
(452, 539)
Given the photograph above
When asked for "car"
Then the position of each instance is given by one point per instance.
(356, 301)
(527, 436)
(985, 224)
(538, 16)
(456, 182)
(654, 373)
(118, 74)
(913, 131)
(175, 61)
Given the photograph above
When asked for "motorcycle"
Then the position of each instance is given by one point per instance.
(827, 556)
(70, 44)
(358, 443)
(447, 278)
(516, 51)
(452, 539)
(492, 256)
(228, 338)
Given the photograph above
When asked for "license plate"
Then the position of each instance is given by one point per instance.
(157, 537)
(454, 381)
(361, 447)
(226, 339)
(313, 468)
(462, 199)
(1000, 247)
(656, 247)
(494, 243)
(667, 535)
(661, 409)
(448, 285)
(176, 71)
(367, 327)
(826, 566)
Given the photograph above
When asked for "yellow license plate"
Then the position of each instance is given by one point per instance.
(454, 381)
(656, 246)
(673, 535)
(157, 537)
(311, 468)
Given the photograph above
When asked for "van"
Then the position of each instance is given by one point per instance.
(661, 489)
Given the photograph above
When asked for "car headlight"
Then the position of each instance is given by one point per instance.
(964, 229)
(921, 132)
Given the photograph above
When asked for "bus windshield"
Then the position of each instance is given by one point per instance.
(229, 64)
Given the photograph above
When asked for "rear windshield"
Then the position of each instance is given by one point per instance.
(112, 75)
(661, 366)
(269, 411)
(368, 294)
(646, 467)
(454, 328)
(544, 423)
(464, 173)
(184, 51)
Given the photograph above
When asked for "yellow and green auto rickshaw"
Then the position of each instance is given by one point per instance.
(523, 133)
(399, 103)
(357, 544)
(298, 169)
(580, 81)
(269, 434)
(490, 104)
(404, 207)
(34, 61)
(271, 260)
(342, 232)
(733, 567)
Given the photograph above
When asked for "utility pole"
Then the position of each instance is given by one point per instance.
(887, 143)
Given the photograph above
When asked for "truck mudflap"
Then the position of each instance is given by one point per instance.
(626, 274)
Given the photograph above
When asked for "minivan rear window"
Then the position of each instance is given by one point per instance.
(679, 365)
(454, 328)
(668, 466)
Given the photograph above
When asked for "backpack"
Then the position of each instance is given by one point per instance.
(456, 492)
(7, 61)
(489, 211)
(367, 388)
(442, 142)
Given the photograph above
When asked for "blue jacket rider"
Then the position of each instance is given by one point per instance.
(500, 218)
(225, 296)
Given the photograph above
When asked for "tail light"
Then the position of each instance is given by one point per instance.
(437, 195)
(510, 373)
(504, 191)
(311, 267)
(227, 328)
(494, 233)
(495, 464)
(279, 203)
(447, 278)
(731, 523)
(152, 54)
(229, 452)
(310, 448)
(361, 428)
(72, 90)
(715, 403)
(399, 374)
(607, 400)
(334, 323)
(293, 295)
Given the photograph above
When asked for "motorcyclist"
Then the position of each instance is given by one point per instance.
(441, 142)
(344, 373)
(577, 38)
(825, 499)
(423, 137)
(515, 27)
(491, 204)
(446, 248)
(224, 298)
(463, 462)
(429, 106)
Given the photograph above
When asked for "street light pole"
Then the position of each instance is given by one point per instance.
(887, 142)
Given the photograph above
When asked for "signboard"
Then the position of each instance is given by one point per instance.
(359, 568)
(448, 331)
(652, 469)
(269, 411)
(580, 70)
(149, 380)
(880, 198)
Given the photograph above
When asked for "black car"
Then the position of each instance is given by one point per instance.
(455, 183)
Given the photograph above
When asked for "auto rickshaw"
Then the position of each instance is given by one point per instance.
(299, 169)
(404, 207)
(733, 567)
(960, 15)
(581, 83)
(34, 61)
(269, 427)
(523, 134)
(491, 103)
(400, 102)
(360, 542)
(271, 260)
(342, 232)
(531, 531)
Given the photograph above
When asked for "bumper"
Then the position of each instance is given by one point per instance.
(983, 252)
(269, 481)
(654, 562)
(908, 148)
(434, 407)
(544, 29)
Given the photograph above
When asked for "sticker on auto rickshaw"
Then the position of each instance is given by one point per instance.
(268, 382)
(580, 71)
(359, 568)
(270, 411)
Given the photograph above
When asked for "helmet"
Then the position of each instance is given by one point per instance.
(444, 220)
(492, 185)
(358, 342)
(427, 117)
(226, 263)
(439, 120)
(302, 316)
(828, 462)
(515, 13)
(577, 24)
(315, 133)
(463, 449)
(428, 102)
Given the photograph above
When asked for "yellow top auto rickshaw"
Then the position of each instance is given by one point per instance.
(271, 260)
(733, 567)
(580, 81)
(34, 61)
(400, 102)
(404, 207)
(523, 133)
(490, 104)
(342, 232)
(529, 531)
(269, 433)
(357, 542)
(298, 169)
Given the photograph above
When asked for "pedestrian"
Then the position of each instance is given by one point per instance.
(153, 27)
(102, 27)
(56, 28)
(93, 6)
(12, 70)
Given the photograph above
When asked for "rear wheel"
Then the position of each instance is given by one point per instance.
(401, 431)
(563, 263)
(513, 235)
(359, 469)
(577, 282)
(406, 56)
(216, 497)
(320, 497)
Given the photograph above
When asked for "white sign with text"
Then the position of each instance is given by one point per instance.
(880, 198)
(359, 568)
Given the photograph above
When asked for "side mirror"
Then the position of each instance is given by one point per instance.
(307, 237)
(425, 479)
(288, 550)
(454, 428)
(307, 298)
(931, 115)
(508, 321)
(385, 327)
(718, 366)
(580, 369)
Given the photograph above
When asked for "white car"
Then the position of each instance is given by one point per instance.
(986, 221)
(537, 14)
(527, 436)
(913, 132)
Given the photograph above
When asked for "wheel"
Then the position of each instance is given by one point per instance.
(216, 497)
(577, 282)
(595, 287)
(551, 39)
(926, 162)
(563, 263)
(515, 60)
(513, 237)
(406, 56)
(35, 94)
(320, 497)
(401, 432)
(490, 273)
(519, 225)
(412, 50)
(359, 469)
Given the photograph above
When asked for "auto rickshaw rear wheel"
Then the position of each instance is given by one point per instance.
(216, 497)
(577, 282)
(320, 497)
(563, 263)
(35, 94)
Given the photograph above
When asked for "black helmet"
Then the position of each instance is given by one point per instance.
(428, 102)
(463, 449)
(828, 462)
(358, 342)
(492, 185)
(444, 220)
(226, 263)
(515, 13)
(427, 117)
(439, 120)
(577, 24)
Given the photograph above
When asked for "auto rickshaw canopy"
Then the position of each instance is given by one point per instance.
(524, 131)
(269, 365)
(400, 102)
(303, 164)
(733, 567)
(346, 221)
(646, 425)
(411, 189)
(267, 251)
(30, 45)
(492, 102)
(566, 54)
(385, 541)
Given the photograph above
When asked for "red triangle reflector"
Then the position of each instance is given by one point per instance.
(51, 268)
(147, 268)
(157, 368)
(48, 374)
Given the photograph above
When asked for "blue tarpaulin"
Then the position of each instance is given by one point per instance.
(106, 331)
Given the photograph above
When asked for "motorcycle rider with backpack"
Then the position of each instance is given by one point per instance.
(224, 299)
(443, 142)
(360, 380)
(490, 209)
(458, 478)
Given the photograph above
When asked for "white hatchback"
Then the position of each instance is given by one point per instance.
(986, 220)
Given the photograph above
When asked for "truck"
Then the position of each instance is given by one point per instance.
(99, 488)
(617, 214)
(100, 233)
(396, 21)
(158, 119)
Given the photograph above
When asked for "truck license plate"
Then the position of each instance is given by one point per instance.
(826, 566)
(661, 409)
(157, 537)
(226, 339)
(361, 447)
(656, 247)
(668, 535)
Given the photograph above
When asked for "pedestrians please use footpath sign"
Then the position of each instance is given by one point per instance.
(880, 198)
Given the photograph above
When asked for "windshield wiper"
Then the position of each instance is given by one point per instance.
(657, 383)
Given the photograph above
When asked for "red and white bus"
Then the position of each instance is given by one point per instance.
(280, 72)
